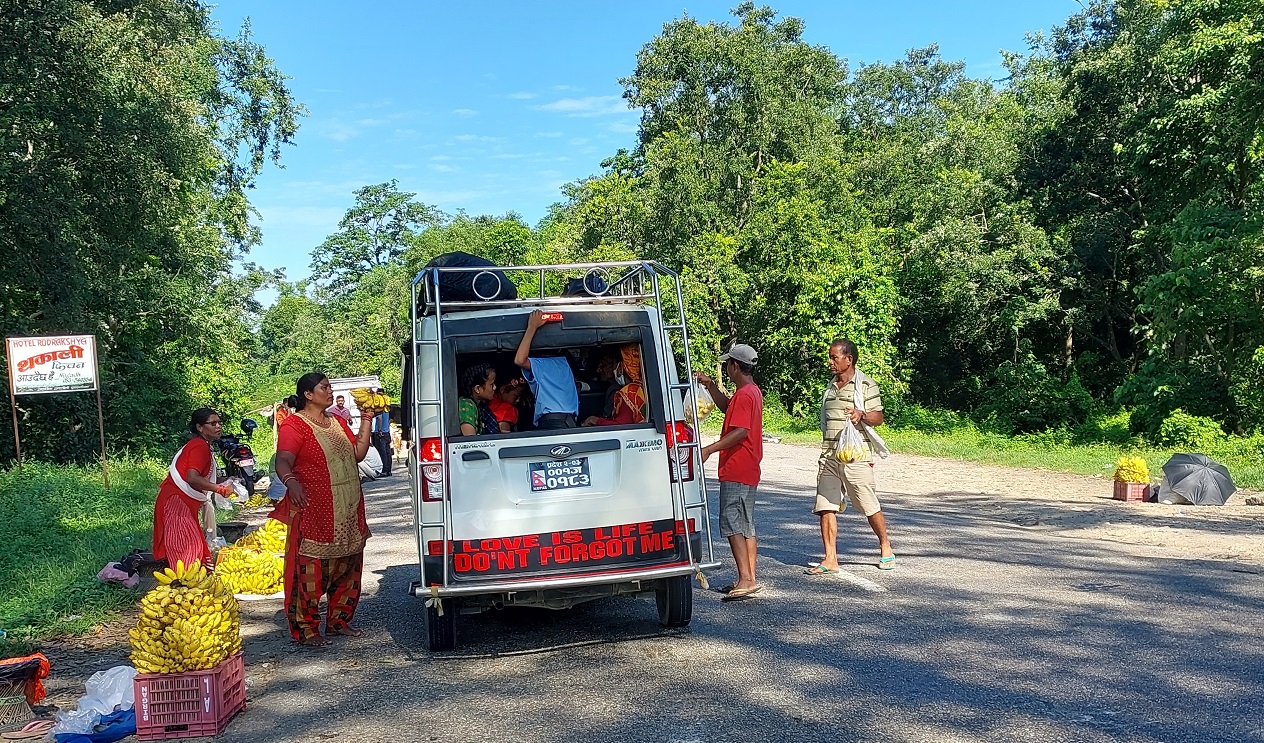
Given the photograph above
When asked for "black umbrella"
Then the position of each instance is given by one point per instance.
(1199, 479)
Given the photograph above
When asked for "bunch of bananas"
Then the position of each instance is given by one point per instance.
(258, 500)
(1132, 469)
(365, 399)
(268, 538)
(849, 453)
(250, 570)
(850, 446)
(188, 623)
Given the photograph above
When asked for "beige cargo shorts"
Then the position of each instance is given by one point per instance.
(834, 478)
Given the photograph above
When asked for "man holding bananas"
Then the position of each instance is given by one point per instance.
(851, 399)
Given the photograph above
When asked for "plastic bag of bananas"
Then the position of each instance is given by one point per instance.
(188, 623)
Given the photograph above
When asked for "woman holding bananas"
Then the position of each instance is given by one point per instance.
(324, 507)
(178, 534)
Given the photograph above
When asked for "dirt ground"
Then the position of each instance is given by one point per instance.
(1071, 506)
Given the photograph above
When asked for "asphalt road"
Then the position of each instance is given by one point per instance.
(986, 631)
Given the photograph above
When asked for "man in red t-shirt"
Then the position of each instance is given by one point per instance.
(741, 448)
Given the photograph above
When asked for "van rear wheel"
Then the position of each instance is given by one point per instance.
(441, 630)
(675, 601)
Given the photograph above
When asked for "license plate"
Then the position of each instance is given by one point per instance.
(247, 462)
(568, 473)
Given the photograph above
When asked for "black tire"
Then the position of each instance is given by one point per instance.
(441, 630)
(675, 601)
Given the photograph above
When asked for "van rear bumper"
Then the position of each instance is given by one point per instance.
(546, 583)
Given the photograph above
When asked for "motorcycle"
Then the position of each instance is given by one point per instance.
(239, 458)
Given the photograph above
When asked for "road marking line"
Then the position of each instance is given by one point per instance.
(859, 582)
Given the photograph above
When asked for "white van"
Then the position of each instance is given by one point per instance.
(552, 518)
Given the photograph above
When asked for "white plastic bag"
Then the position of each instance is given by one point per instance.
(705, 404)
(108, 691)
(850, 445)
(113, 688)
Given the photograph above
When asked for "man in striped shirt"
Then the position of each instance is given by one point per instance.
(854, 480)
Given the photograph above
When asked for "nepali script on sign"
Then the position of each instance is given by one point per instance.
(61, 363)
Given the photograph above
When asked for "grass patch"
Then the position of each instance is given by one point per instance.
(1088, 449)
(60, 526)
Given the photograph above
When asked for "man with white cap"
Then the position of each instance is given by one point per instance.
(741, 448)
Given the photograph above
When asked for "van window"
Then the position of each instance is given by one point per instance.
(593, 367)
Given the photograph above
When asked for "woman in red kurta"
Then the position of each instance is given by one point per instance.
(178, 533)
(324, 507)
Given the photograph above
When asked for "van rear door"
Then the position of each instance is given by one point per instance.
(567, 501)
(573, 501)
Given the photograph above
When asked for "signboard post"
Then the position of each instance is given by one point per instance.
(45, 365)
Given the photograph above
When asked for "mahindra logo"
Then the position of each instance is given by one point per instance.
(560, 452)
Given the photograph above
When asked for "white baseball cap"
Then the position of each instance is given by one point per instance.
(743, 353)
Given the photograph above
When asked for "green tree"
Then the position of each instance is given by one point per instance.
(129, 134)
(375, 232)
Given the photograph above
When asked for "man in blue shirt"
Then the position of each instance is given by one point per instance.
(380, 437)
(551, 379)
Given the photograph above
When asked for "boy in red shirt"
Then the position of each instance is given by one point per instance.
(741, 448)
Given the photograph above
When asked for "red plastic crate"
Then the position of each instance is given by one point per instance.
(1131, 491)
(192, 704)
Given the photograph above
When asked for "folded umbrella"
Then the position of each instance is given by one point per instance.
(1199, 479)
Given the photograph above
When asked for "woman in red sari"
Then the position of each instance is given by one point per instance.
(324, 507)
(629, 401)
(178, 532)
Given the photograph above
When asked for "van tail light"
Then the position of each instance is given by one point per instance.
(431, 451)
(680, 528)
(679, 432)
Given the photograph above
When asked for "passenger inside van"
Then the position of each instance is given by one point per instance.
(477, 389)
(504, 405)
(551, 380)
(628, 406)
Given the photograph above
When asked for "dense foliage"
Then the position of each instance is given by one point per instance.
(1083, 234)
(129, 133)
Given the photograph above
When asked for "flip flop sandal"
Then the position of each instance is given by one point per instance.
(33, 730)
(886, 563)
(727, 589)
(819, 570)
(737, 594)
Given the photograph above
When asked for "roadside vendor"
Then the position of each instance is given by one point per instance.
(185, 495)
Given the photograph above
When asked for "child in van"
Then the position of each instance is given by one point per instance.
(477, 389)
(504, 405)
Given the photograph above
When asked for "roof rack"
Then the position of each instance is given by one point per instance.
(626, 282)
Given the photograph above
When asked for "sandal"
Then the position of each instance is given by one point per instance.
(33, 730)
(727, 589)
(821, 570)
(886, 563)
(737, 594)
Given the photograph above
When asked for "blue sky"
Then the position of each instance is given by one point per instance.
(492, 106)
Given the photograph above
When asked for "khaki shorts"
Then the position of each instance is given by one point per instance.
(833, 478)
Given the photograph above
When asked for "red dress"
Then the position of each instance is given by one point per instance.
(178, 533)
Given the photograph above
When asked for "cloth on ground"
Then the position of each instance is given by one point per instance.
(31, 669)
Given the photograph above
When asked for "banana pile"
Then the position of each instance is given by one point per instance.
(368, 400)
(268, 538)
(247, 570)
(258, 500)
(1132, 469)
(188, 623)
